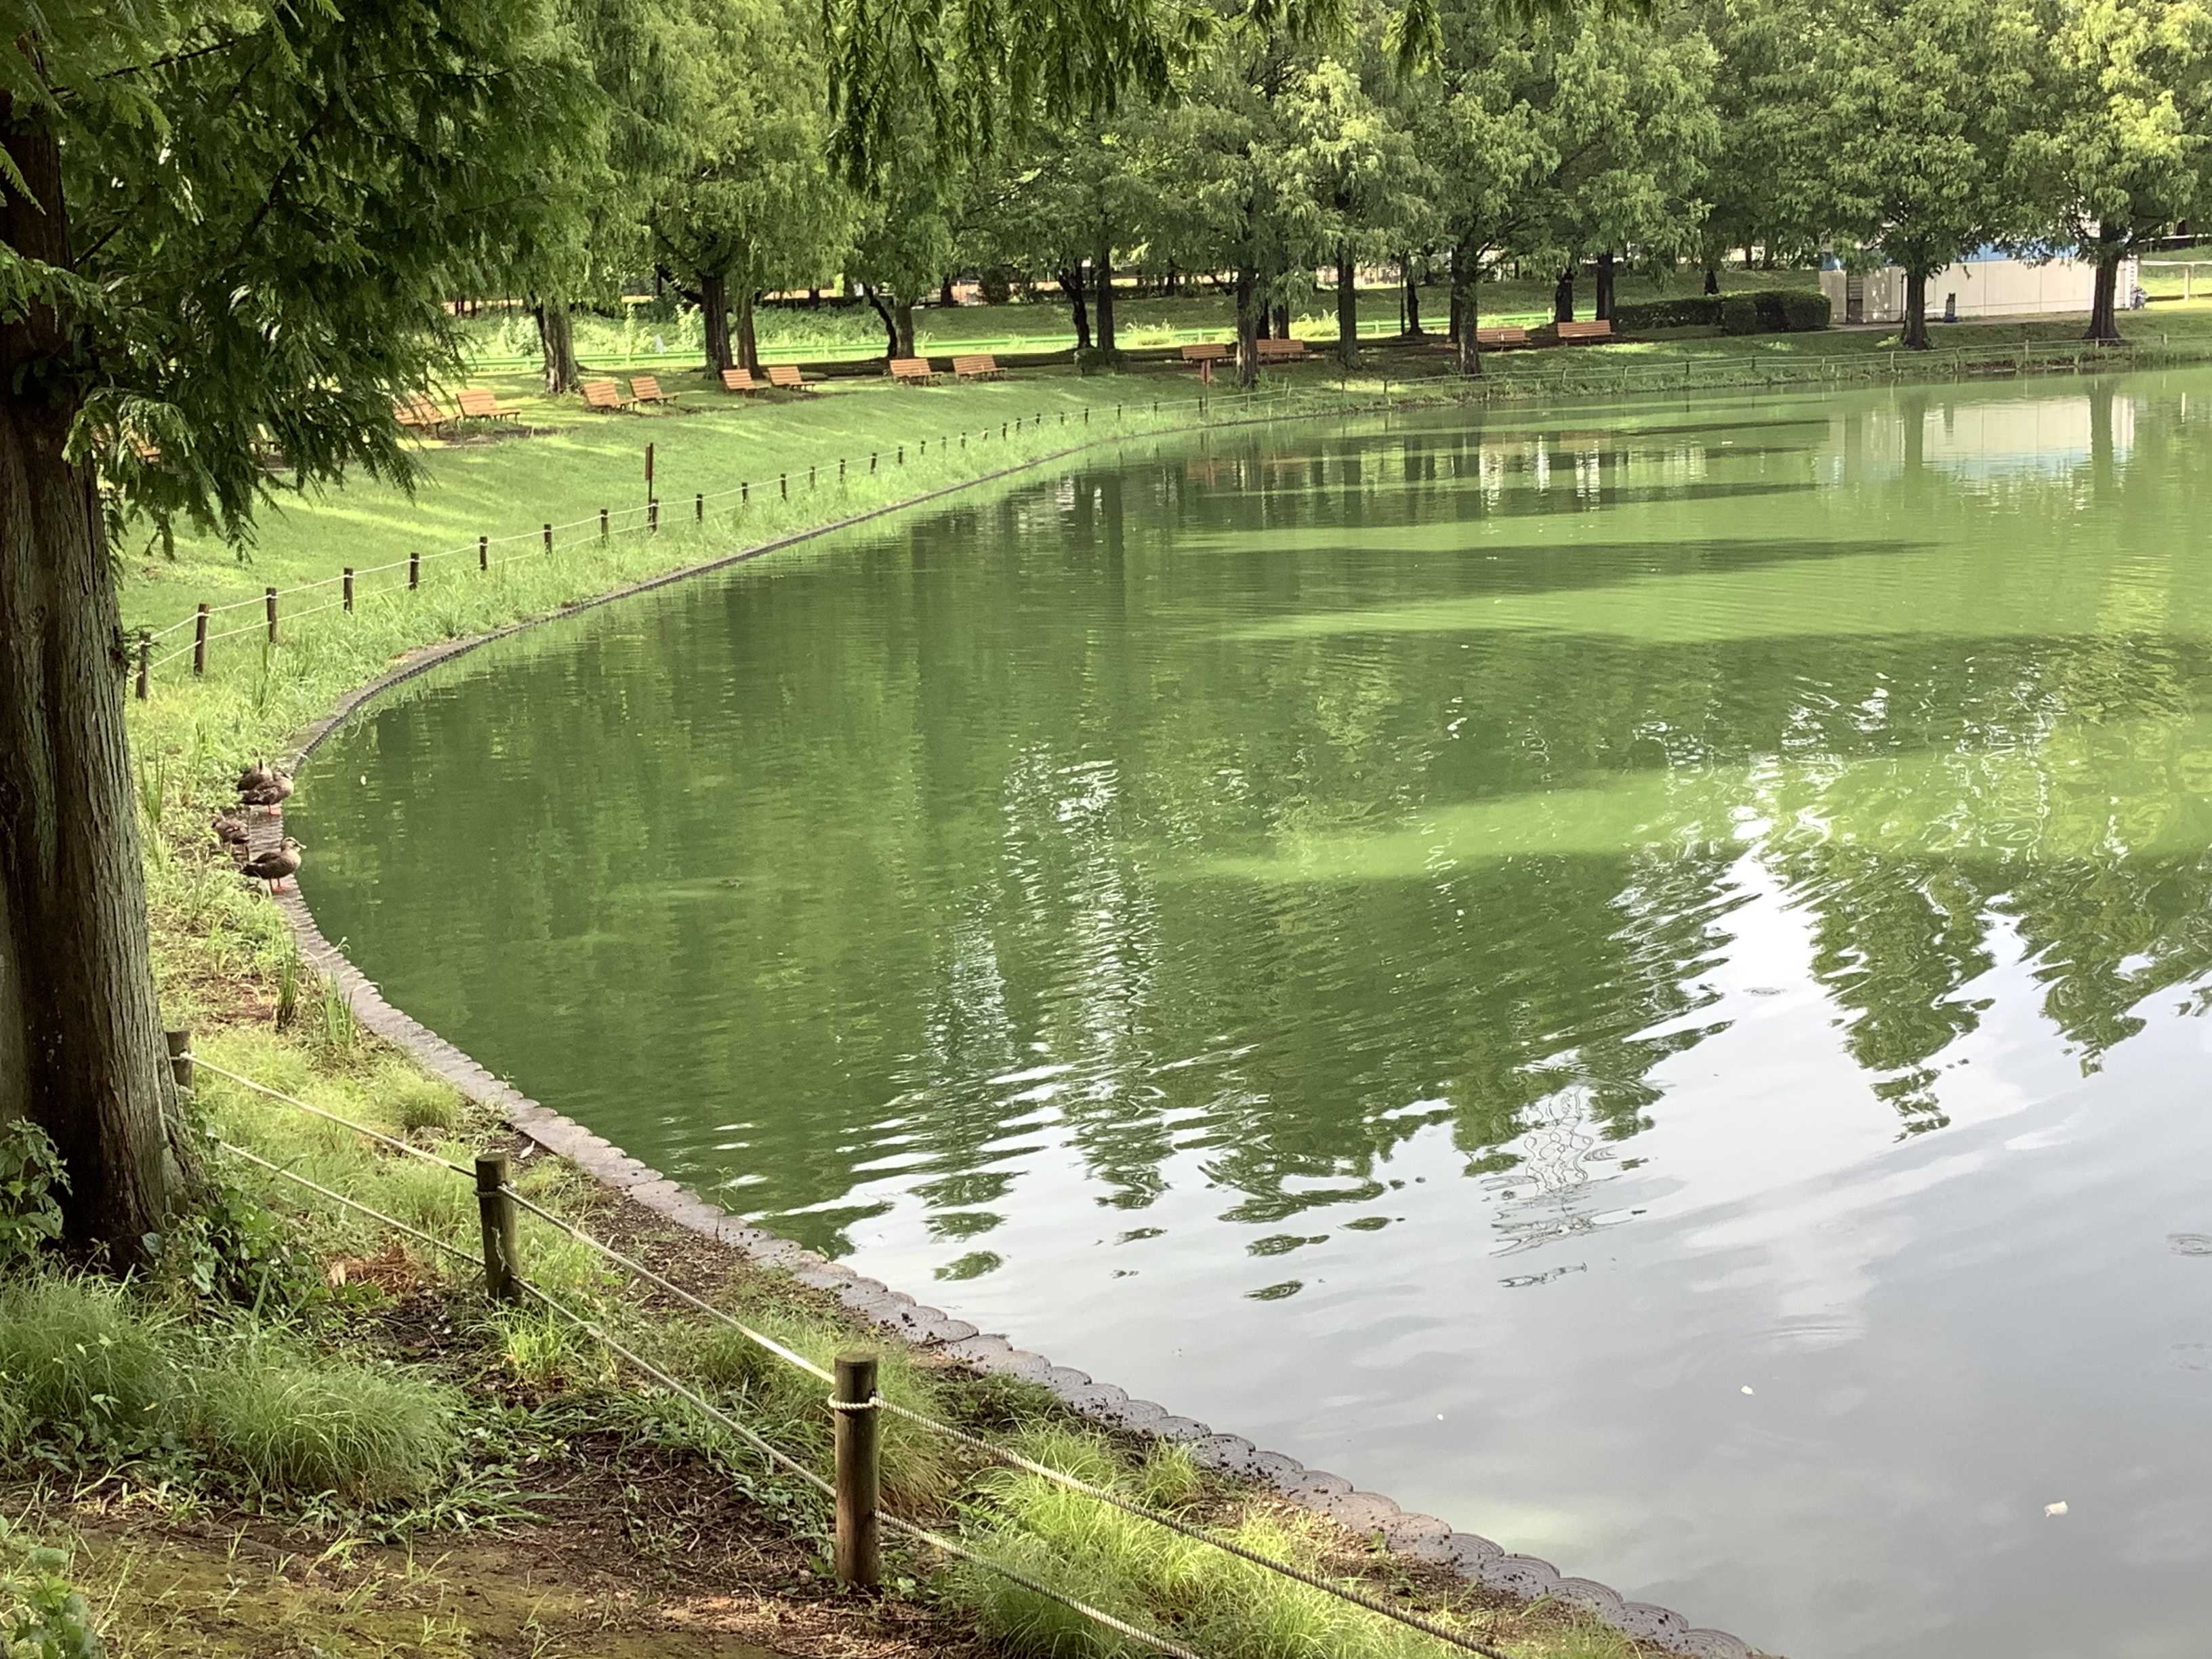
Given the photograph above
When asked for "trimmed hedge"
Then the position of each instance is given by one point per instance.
(1776, 311)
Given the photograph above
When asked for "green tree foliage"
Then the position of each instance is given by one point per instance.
(1916, 106)
(752, 205)
(2119, 149)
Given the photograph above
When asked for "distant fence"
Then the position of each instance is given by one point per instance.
(853, 1404)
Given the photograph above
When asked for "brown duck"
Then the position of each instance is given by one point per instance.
(276, 866)
(231, 833)
(269, 794)
(254, 777)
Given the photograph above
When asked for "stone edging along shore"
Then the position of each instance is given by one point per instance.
(1422, 1537)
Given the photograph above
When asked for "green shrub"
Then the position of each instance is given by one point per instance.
(426, 1103)
(301, 1425)
(82, 1365)
(1793, 310)
(30, 1171)
(42, 1615)
(1738, 314)
(1687, 311)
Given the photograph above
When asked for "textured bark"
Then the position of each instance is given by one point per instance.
(2104, 304)
(715, 307)
(1412, 294)
(1563, 297)
(1348, 309)
(1604, 284)
(1102, 276)
(903, 326)
(1470, 316)
(1250, 311)
(1283, 320)
(1916, 310)
(80, 1032)
(891, 324)
(747, 344)
(1712, 280)
(556, 344)
(1071, 284)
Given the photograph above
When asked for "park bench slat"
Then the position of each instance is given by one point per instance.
(740, 379)
(603, 395)
(914, 371)
(1504, 334)
(478, 404)
(979, 366)
(1205, 351)
(787, 377)
(1275, 350)
(645, 389)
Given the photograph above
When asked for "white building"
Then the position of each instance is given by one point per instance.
(1985, 283)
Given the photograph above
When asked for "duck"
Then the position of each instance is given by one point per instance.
(270, 795)
(254, 777)
(275, 867)
(230, 833)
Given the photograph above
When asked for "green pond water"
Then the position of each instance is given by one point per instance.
(1631, 979)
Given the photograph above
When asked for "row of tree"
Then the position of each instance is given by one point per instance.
(1459, 142)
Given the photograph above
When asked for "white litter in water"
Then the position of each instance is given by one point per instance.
(1746, 1388)
(2058, 1508)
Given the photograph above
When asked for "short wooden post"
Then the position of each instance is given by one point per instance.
(1086, 415)
(858, 1552)
(603, 523)
(902, 453)
(199, 639)
(414, 571)
(349, 587)
(652, 517)
(810, 478)
(783, 484)
(484, 552)
(699, 507)
(1002, 431)
(648, 473)
(746, 493)
(180, 1057)
(145, 666)
(549, 538)
(872, 460)
(841, 469)
(269, 599)
(501, 1247)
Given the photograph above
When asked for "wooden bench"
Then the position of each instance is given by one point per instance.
(478, 404)
(1567, 332)
(787, 377)
(741, 379)
(419, 414)
(982, 365)
(913, 371)
(1503, 335)
(1205, 351)
(644, 389)
(602, 395)
(1276, 351)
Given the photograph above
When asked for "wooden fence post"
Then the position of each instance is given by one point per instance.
(783, 483)
(859, 1553)
(496, 1208)
(349, 587)
(145, 666)
(199, 639)
(414, 570)
(603, 525)
(549, 538)
(484, 552)
(746, 493)
(699, 507)
(652, 517)
(269, 598)
(180, 1057)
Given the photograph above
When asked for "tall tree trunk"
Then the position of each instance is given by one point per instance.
(81, 1046)
(1283, 319)
(1563, 297)
(903, 326)
(1604, 311)
(1470, 316)
(1916, 310)
(714, 306)
(1102, 279)
(945, 293)
(1251, 310)
(1413, 286)
(1347, 308)
(891, 327)
(556, 345)
(2105, 305)
(748, 344)
(1712, 279)
(1071, 284)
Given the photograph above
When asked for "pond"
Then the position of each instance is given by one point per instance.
(1633, 979)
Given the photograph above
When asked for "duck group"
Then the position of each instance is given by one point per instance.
(267, 788)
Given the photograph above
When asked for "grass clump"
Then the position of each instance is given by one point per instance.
(304, 1425)
(83, 1367)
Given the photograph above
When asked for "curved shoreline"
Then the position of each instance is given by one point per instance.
(1421, 1537)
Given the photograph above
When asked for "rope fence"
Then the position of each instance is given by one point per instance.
(854, 1399)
